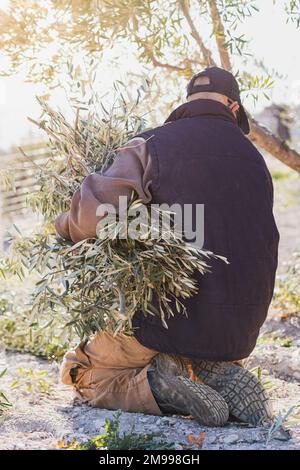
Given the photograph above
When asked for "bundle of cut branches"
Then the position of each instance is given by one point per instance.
(99, 283)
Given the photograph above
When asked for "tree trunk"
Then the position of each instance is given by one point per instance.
(262, 137)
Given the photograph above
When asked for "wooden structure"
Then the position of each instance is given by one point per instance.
(13, 206)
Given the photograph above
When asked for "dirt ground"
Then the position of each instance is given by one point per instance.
(43, 413)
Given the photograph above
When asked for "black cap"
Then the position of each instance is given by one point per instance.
(221, 81)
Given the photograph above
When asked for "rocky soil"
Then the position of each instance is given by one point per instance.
(38, 420)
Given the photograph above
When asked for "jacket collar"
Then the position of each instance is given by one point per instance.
(201, 107)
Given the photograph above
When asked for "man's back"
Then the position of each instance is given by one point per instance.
(200, 156)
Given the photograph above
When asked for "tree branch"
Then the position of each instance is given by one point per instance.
(172, 68)
(261, 136)
(219, 33)
(143, 43)
(206, 53)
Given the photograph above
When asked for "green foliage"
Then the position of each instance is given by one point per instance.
(88, 27)
(286, 342)
(7, 180)
(292, 8)
(92, 279)
(112, 439)
(33, 382)
(4, 401)
(267, 384)
(270, 338)
(280, 175)
(277, 429)
(23, 331)
(158, 33)
(287, 292)
(254, 85)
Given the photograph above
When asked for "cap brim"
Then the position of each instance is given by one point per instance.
(243, 121)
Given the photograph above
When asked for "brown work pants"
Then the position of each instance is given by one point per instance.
(111, 372)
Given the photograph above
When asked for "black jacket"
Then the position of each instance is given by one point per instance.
(200, 156)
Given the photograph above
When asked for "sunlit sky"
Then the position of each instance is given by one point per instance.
(272, 40)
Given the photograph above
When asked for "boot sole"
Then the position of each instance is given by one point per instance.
(247, 399)
(242, 391)
(176, 393)
(203, 403)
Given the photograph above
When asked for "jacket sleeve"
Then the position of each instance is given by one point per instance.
(131, 170)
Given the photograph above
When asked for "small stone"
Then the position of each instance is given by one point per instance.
(165, 421)
(178, 446)
(172, 423)
(210, 439)
(282, 434)
(230, 439)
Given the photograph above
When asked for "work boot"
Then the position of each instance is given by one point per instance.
(242, 391)
(175, 393)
